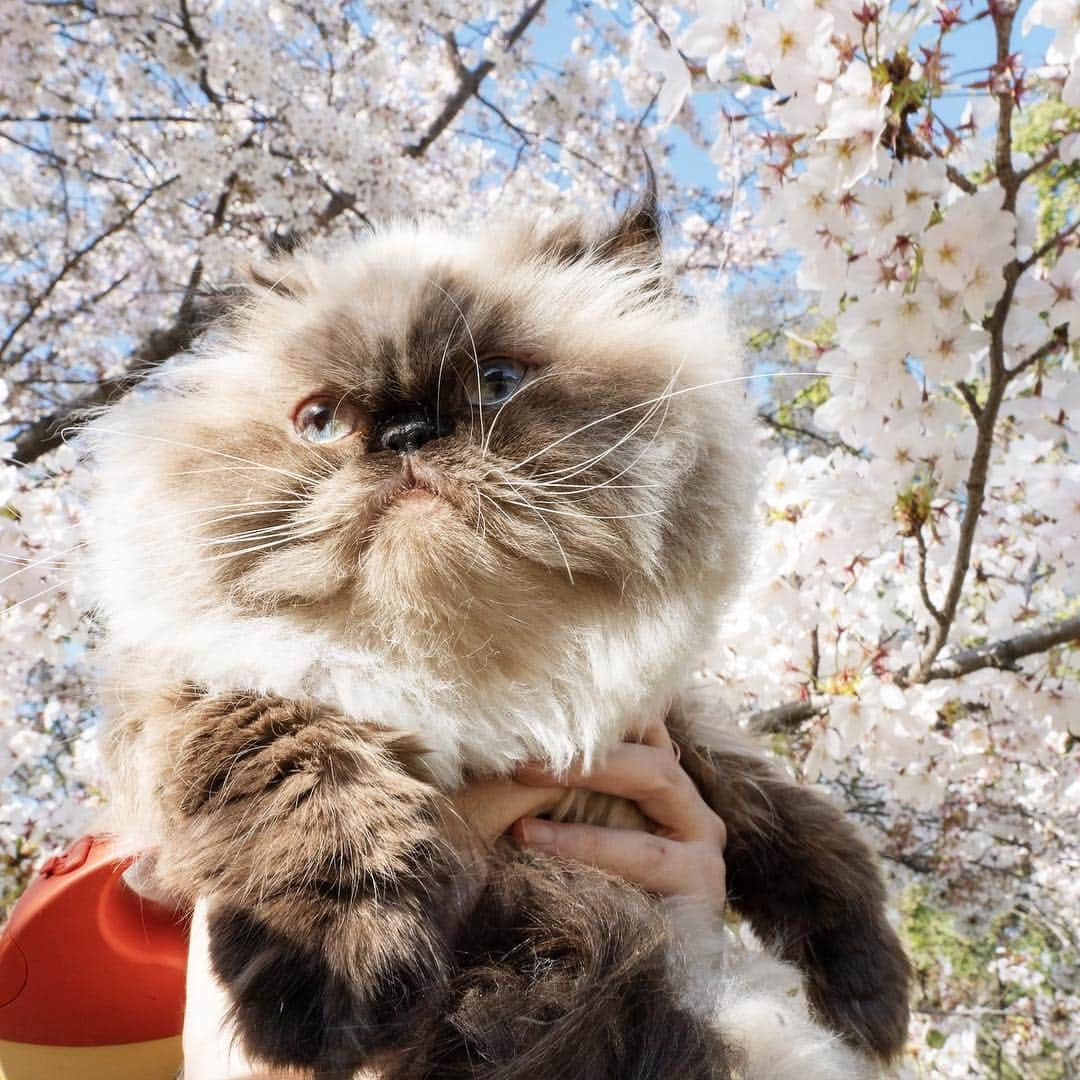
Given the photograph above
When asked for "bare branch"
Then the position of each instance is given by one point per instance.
(1003, 16)
(1001, 655)
(1042, 250)
(968, 394)
(1048, 158)
(960, 180)
(924, 592)
(913, 146)
(469, 83)
(198, 47)
(783, 428)
(46, 433)
(789, 716)
(975, 485)
(1058, 340)
(81, 118)
(75, 258)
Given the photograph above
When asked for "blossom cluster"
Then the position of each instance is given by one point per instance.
(932, 504)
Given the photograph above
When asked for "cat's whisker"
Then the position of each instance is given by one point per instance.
(486, 445)
(37, 595)
(557, 486)
(481, 524)
(590, 517)
(203, 449)
(439, 378)
(276, 529)
(630, 464)
(569, 471)
(242, 504)
(43, 561)
(547, 525)
(261, 510)
(265, 547)
(277, 488)
(494, 502)
(577, 493)
(668, 395)
(27, 562)
(475, 356)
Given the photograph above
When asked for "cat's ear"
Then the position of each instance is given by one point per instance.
(637, 236)
(281, 275)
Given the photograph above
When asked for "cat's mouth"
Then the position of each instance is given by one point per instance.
(417, 484)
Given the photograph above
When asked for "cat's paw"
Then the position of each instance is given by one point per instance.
(859, 983)
(294, 1004)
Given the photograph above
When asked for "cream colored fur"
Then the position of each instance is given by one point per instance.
(758, 1003)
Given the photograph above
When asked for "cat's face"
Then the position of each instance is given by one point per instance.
(430, 431)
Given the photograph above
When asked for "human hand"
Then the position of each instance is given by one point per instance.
(683, 855)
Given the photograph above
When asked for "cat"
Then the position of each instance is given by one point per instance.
(416, 513)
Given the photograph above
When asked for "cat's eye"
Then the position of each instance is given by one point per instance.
(494, 381)
(325, 418)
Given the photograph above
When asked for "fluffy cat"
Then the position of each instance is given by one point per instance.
(421, 512)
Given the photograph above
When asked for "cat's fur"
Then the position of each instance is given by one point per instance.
(305, 662)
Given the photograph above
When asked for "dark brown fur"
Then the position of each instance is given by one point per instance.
(810, 888)
(348, 928)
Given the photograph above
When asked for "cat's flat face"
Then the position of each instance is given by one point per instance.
(459, 439)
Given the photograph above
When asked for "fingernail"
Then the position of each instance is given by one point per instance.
(533, 832)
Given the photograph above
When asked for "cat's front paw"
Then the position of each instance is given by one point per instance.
(327, 997)
(859, 980)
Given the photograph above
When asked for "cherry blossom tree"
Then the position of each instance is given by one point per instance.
(888, 193)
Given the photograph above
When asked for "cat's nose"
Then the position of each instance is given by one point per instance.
(405, 432)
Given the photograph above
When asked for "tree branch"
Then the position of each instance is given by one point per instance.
(1001, 655)
(924, 592)
(1057, 340)
(44, 434)
(74, 259)
(1045, 249)
(968, 394)
(789, 716)
(912, 145)
(1048, 158)
(470, 80)
(47, 433)
(986, 421)
(782, 428)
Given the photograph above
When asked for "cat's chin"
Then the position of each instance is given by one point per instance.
(416, 504)
(417, 517)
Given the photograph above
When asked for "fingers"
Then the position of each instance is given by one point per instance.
(648, 774)
(656, 863)
(490, 807)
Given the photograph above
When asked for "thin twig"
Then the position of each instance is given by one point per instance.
(924, 592)
(75, 258)
(469, 81)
